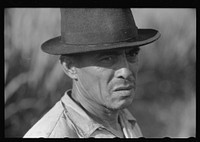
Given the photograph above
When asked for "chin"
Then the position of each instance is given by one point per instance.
(122, 104)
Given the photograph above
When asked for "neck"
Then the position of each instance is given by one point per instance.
(101, 114)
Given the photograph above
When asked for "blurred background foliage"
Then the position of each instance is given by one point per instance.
(165, 104)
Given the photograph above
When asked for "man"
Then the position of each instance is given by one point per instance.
(99, 52)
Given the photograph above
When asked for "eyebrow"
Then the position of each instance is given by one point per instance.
(108, 53)
(135, 48)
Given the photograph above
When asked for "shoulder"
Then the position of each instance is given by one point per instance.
(53, 124)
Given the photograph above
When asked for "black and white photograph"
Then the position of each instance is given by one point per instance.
(99, 72)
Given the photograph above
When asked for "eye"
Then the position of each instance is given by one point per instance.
(108, 59)
(132, 55)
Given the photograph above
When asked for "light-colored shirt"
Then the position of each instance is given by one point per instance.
(67, 119)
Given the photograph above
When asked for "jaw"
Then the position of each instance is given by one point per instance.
(120, 103)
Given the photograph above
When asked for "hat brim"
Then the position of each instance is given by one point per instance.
(56, 46)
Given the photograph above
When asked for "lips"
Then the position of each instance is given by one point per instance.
(124, 88)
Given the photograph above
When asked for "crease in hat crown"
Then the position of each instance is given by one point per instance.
(81, 27)
(97, 25)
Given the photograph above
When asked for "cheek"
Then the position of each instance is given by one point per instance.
(95, 81)
(134, 69)
(88, 79)
(104, 84)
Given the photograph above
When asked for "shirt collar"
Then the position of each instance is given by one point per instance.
(84, 124)
(128, 115)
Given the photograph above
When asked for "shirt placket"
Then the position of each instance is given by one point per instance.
(127, 128)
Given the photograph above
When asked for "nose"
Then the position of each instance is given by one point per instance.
(124, 70)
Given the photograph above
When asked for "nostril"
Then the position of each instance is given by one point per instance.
(122, 78)
(124, 73)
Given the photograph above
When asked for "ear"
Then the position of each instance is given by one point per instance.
(69, 68)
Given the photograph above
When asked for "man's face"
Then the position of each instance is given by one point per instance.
(109, 77)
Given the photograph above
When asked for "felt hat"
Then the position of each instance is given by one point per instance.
(94, 29)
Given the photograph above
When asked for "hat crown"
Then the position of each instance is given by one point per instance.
(97, 25)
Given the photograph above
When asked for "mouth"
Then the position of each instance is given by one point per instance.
(124, 88)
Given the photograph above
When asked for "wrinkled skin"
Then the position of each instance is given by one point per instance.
(100, 73)
(105, 81)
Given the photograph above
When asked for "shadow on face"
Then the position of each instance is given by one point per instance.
(104, 58)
